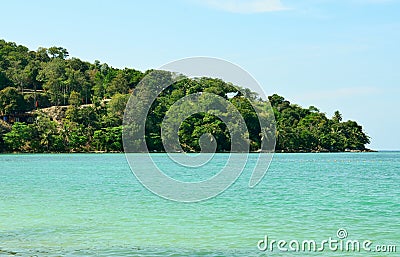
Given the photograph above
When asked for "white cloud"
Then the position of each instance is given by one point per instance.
(243, 6)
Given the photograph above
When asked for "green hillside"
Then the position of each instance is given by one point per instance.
(50, 102)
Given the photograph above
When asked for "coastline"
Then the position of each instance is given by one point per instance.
(159, 152)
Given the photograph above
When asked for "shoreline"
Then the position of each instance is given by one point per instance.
(252, 152)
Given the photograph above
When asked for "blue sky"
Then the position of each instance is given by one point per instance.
(334, 54)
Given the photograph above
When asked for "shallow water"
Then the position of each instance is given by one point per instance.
(92, 205)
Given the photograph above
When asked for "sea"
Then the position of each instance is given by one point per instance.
(308, 204)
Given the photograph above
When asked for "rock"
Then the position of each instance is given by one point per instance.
(56, 113)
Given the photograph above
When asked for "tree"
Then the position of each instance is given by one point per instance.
(4, 81)
(86, 116)
(116, 106)
(11, 101)
(48, 137)
(118, 85)
(19, 138)
(4, 128)
(355, 137)
(41, 55)
(276, 100)
(337, 117)
(77, 137)
(108, 139)
(19, 75)
(75, 99)
(58, 52)
(246, 110)
(53, 76)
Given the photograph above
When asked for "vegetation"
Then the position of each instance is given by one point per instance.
(94, 96)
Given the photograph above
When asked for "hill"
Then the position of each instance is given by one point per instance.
(60, 104)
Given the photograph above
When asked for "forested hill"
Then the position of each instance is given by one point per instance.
(50, 102)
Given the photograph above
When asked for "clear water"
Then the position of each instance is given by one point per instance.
(92, 205)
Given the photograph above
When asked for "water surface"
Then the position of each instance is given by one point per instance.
(92, 205)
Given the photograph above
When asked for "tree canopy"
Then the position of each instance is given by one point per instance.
(94, 96)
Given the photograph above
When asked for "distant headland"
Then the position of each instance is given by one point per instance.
(50, 102)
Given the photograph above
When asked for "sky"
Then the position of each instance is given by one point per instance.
(333, 54)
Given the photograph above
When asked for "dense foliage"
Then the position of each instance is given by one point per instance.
(94, 96)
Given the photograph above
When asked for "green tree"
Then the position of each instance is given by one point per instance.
(19, 138)
(75, 99)
(337, 117)
(48, 136)
(11, 101)
(78, 137)
(118, 85)
(4, 128)
(58, 52)
(86, 116)
(116, 108)
(108, 139)
(53, 76)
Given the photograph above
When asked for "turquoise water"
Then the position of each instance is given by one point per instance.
(92, 205)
